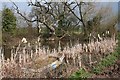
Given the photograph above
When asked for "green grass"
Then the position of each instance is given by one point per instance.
(108, 61)
(99, 68)
(81, 74)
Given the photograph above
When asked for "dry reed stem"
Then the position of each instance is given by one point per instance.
(72, 55)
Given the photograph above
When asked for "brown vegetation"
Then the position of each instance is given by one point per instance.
(26, 62)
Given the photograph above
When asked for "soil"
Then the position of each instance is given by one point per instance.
(41, 62)
(110, 72)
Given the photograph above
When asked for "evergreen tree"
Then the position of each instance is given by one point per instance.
(8, 20)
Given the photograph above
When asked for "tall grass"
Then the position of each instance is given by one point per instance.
(23, 58)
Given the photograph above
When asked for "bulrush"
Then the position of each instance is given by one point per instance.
(80, 48)
(0, 64)
(44, 51)
(99, 37)
(59, 47)
(24, 55)
(31, 55)
(36, 48)
(90, 58)
(103, 35)
(107, 32)
(90, 53)
(89, 47)
(20, 58)
(80, 60)
(3, 59)
(27, 58)
(54, 51)
(16, 52)
(38, 39)
(69, 55)
(85, 47)
(12, 56)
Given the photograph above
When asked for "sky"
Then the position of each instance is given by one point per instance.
(22, 4)
(62, 0)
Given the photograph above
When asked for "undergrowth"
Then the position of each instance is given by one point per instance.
(99, 68)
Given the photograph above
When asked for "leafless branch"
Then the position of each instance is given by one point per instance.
(38, 20)
(72, 11)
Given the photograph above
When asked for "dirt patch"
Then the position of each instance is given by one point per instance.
(41, 62)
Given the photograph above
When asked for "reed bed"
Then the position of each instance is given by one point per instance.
(22, 62)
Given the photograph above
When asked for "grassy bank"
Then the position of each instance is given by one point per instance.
(101, 66)
(106, 62)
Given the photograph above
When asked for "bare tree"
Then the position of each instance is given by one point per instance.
(52, 14)
(35, 17)
(80, 17)
(47, 13)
